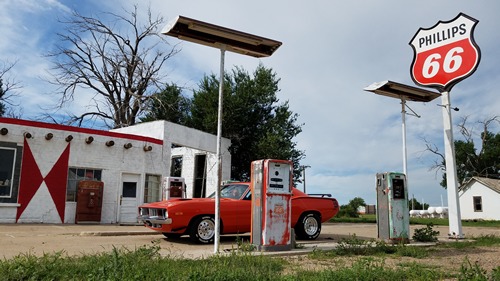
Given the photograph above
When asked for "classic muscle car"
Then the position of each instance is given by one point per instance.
(195, 216)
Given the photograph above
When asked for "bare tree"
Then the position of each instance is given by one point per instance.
(438, 164)
(470, 162)
(121, 68)
(8, 87)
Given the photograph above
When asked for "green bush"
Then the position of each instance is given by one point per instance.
(426, 234)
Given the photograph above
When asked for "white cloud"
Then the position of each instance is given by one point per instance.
(331, 50)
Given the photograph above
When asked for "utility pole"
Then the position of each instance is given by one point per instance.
(303, 168)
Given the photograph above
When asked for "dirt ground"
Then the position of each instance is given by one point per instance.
(37, 239)
(446, 259)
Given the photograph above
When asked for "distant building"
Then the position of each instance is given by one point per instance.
(479, 199)
(44, 166)
(367, 210)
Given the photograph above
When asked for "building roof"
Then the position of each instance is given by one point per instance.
(494, 184)
(38, 124)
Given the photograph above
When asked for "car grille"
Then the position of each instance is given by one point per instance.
(152, 213)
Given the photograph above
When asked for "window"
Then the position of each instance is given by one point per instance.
(176, 166)
(152, 189)
(398, 189)
(75, 175)
(7, 164)
(478, 203)
(200, 176)
(129, 189)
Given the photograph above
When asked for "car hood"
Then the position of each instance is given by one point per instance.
(178, 201)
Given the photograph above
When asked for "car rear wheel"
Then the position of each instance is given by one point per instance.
(308, 227)
(202, 230)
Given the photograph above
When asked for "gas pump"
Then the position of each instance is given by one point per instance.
(271, 184)
(173, 187)
(393, 216)
(89, 201)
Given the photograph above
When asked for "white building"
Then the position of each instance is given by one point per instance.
(42, 166)
(479, 199)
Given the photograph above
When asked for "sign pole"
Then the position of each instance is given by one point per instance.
(445, 54)
(219, 155)
(454, 216)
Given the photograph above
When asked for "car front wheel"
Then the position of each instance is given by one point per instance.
(203, 230)
(308, 227)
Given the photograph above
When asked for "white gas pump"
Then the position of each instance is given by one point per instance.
(173, 187)
(271, 184)
(393, 216)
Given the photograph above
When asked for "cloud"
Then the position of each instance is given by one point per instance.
(331, 50)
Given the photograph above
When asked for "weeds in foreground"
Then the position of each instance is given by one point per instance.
(146, 263)
(354, 246)
(244, 246)
(480, 241)
(469, 271)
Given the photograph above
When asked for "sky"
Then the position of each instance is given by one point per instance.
(331, 51)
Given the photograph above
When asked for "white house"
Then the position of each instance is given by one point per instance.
(44, 167)
(480, 199)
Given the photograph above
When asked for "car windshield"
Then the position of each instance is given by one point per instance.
(234, 191)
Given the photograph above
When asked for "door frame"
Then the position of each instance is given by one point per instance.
(129, 177)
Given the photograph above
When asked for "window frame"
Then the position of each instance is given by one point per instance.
(477, 201)
(12, 171)
(152, 194)
(80, 174)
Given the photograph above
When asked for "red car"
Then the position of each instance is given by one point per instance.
(195, 216)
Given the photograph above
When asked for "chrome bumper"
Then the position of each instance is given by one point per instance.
(154, 220)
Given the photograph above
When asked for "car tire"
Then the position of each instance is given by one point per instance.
(308, 227)
(202, 230)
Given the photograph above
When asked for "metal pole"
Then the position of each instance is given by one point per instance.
(304, 177)
(304, 167)
(454, 216)
(403, 118)
(219, 156)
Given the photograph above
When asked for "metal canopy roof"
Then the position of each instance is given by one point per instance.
(398, 90)
(217, 36)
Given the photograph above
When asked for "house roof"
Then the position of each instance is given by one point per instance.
(491, 183)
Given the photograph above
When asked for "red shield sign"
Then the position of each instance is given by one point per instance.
(445, 54)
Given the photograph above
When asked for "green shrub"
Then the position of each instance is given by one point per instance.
(426, 234)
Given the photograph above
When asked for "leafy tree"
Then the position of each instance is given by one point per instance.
(119, 61)
(169, 105)
(351, 209)
(258, 125)
(415, 205)
(472, 160)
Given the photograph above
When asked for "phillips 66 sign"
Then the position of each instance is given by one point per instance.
(445, 54)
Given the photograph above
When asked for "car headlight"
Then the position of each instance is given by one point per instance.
(143, 211)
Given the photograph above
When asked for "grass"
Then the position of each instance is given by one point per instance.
(377, 250)
(145, 263)
(424, 221)
(353, 246)
(367, 262)
(481, 241)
